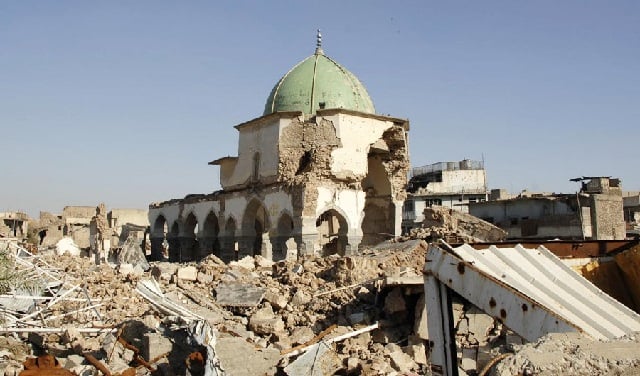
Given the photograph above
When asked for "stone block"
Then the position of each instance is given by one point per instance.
(480, 324)
(513, 339)
(301, 335)
(418, 353)
(420, 327)
(353, 365)
(125, 269)
(276, 299)
(246, 262)
(72, 361)
(266, 326)
(394, 302)
(163, 270)
(154, 345)
(204, 278)
(188, 273)
(402, 362)
(300, 298)
(263, 262)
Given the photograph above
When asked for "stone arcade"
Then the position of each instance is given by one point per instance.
(318, 173)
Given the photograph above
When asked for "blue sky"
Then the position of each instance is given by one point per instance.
(125, 102)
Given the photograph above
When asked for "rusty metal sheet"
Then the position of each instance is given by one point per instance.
(531, 291)
(570, 248)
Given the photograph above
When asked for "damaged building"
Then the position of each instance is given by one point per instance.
(78, 224)
(594, 213)
(13, 224)
(448, 184)
(318, 173)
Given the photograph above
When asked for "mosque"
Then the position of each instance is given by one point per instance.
(318, 173)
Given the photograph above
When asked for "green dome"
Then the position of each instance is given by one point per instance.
(315, 83)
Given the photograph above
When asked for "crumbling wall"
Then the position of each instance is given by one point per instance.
(305, 150)
(396, 161)
(456, 227)
(607, 217)
(47, 230)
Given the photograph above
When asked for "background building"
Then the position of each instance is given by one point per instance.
(594, 213)
(450, 184)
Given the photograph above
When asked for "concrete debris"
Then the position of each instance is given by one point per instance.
(455, 227)
(573, 354)
(239, 294)
(357, 314)
(319, 360)
(132, 253)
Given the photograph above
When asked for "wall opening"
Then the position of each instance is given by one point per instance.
(378, 222)
(190, 248)
(332, 230)
(283, 239)
(255, 226)
(209, 243)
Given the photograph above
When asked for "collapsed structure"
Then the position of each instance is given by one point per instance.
(318, 173)
(594, 213)
(13, 224)
(80, 224)
(450, 184)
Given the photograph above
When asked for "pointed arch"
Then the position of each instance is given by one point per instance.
(173, 238)
(255, 228)
(189, 238)
(332, 229)
(209, 242)
(158, 238)
(283, 237)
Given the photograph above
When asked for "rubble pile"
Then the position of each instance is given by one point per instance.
(573, 354)
(454, 226)
(360, 314)
(124, 319)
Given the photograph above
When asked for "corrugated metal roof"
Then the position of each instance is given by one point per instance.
(540, 277)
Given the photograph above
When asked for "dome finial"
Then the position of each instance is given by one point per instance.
(319, 44)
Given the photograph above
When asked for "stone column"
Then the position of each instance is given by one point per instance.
(187, 246)
(307, 244)
(174, 248)
(245, 246)
(397, 218)
(266, 248)
(291, 249)
(156, 248)
(308, 238)
(353, 245)
(227, 248)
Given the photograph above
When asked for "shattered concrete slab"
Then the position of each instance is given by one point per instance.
(239, 294)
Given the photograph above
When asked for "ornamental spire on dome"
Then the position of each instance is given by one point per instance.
(319, 44)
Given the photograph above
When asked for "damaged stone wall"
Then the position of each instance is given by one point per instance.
(607, 216)
(47, 230)
(305, 151)
(455, 227)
